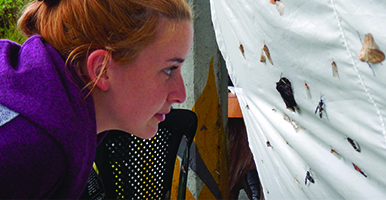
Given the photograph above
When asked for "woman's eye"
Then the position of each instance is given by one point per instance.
(169, 71)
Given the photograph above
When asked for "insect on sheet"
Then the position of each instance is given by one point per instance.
(311, 82)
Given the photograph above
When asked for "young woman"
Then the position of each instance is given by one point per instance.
(88, 66)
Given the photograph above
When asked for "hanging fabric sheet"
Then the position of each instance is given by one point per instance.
(312, 95)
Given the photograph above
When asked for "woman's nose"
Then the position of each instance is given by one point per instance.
(178, 93)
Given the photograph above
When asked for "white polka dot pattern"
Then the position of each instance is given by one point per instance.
(138, 165)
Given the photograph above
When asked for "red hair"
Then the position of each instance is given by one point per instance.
(121, 27)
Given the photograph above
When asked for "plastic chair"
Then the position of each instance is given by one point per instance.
(134, 168)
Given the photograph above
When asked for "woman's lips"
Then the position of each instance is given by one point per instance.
(160, 117)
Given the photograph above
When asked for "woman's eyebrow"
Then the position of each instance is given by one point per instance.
(179, 60)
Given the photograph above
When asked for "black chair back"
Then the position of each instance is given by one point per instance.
(134, 168)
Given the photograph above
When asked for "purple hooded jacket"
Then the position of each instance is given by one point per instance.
(47, 130)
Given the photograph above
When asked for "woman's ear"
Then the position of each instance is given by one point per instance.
(95, 68)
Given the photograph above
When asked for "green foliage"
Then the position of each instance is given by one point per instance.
(9, 13)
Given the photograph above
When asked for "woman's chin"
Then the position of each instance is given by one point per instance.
(147, 133)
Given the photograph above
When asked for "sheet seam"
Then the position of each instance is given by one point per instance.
(358, 74)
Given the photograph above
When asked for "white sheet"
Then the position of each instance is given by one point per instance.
(303, 42)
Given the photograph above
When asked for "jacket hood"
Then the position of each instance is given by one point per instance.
(35, 84)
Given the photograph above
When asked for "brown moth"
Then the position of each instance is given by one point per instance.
(370, 51)
(334, 151)
(241, 49)
(265, 49)
(359, 170)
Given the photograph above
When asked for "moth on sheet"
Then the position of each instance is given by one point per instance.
(285, 89)
(370, 51)
(241, 47)
(265, 49)
(354, 144)
(269, 144)
(297, 183)
(320, 107)
(334, 69)
(262, 57)
(359, 170)
(294, 124)
(334, 151)
(309, 177)
(279, 6)
(308, 91)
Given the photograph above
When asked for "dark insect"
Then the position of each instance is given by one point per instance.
(320, 107)
(354, 144)
(285, 89)
(309, 177)
(268, 144)
(359, 170)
